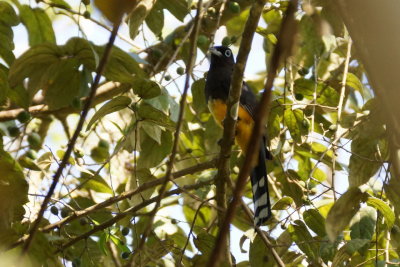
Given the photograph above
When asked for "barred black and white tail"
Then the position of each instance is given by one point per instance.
(259, 183)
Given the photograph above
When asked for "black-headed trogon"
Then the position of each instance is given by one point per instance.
(216, 91)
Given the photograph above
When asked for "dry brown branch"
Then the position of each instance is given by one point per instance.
(282, 49)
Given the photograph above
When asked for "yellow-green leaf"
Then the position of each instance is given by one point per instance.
(343, 211)
(115, 104)
(384, 209)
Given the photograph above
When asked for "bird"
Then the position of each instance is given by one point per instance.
(218, 81)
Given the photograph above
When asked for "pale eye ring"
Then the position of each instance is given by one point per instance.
(228, 53)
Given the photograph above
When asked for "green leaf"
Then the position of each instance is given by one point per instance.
(155, 19)
(363, 224)
(178, 8)
(341, 256)
(291, 188)
(311, 37)
(156, 116)
(18, 95)
(317, 151)
(204, 242)
(353, 81)
(138, 178)
(121, 66)
(356, 244)
(235, 25)
(383, 208)
(61, 3)
(62, 83)
(153, 153)
(146, 88)
(300, 235)
(95, 183)
(363, 162)
(152, 130)
(326, 95)
(343, 211)
(283, 203)
(180, 238)
(315, 221)
(8, 19)
(115, 104)
(293, 120)
(199, 99)
(82, 50)
(327, 250)
(12, 180)
(8, 15)
(4, 87)
(259, 254)
(54, 69)
(273, 18)
(38, 24)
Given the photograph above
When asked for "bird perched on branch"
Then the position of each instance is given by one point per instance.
(217, 91)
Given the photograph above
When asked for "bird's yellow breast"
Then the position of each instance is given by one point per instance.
(244, 125)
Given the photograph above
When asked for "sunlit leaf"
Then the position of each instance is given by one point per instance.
(12, 180)
(343, 211)
(283, 203)
(178, 8)
(260, 254)
(8, 19)
(204, 242)
(152, 152)
(38, 24)
(155, 19)
(199, 99)
(315, 221)
(113, 10)
(300, 235)
(151, 114)
(95, 182)
(384, 209)
(146, 88)
(115, 104)
(364, 162)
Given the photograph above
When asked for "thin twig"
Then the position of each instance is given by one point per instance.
(72, 141)
(283, 48)
(339, 114)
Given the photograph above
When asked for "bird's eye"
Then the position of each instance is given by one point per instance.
(228, 53)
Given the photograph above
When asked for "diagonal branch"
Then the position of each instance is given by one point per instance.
(282, 49)
(222, 249)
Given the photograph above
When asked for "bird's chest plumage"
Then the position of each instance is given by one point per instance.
(217, 92)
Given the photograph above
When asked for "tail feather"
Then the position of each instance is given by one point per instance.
(259, 182)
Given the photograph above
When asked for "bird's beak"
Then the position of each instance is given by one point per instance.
(215, 52)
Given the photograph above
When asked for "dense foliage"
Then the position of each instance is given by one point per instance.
(333, 200)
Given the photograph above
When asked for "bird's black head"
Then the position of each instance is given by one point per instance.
(221, 56)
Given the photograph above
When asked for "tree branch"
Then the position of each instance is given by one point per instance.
(223, 250)
(283, 48)
(104, 92)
